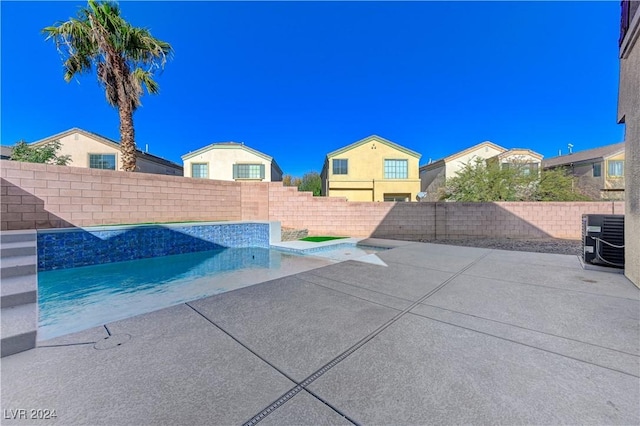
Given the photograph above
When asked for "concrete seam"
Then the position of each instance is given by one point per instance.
(354, 286)
(420, 267)
(357, 297)
(523, 344)
(241, 344)
(328, 404)
(530, 329)
(318, 373)
(282, 399)
(551, 287)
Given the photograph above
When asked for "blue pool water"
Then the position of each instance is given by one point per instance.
(79, 298)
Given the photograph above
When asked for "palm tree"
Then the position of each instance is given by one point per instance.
(124, 56)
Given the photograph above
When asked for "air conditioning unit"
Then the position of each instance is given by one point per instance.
(603, 239)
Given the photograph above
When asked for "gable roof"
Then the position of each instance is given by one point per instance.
(377, 139)
(73, 130)
(473, 148)
(439, 163)
(519, 151)
(225, 145)
(432, 165)
(583, 156)
(231, 145)
(106, 141)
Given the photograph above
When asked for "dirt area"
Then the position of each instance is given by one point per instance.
(547, 245)
(292, 234)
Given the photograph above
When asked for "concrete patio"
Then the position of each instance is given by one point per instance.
(441, 335)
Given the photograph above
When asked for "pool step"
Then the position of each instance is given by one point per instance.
(18, 291)
(18, 248)
(19, 325)
(13, 266)
(18, 236)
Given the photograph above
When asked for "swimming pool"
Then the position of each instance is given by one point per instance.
(78, 298)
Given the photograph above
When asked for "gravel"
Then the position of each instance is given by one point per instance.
(546, 245)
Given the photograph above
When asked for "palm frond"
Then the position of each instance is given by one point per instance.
(146, 79)
(124, 56)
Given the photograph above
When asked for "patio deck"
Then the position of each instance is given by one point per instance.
(441, 335)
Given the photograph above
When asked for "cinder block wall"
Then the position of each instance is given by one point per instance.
(413, 221)
(520, 219)
(254, 200)
(37, 196)
(336, 216)
(43, 196)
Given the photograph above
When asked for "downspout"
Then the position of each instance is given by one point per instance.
(373, 190)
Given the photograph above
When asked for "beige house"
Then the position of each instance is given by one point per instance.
(91, 150)
(371, 169)
(527, 161)
(599, 171)
(231, 161)
(434, 175)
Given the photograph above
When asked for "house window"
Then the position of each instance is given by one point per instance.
(102, 161)
(340, 166)
(248, 171)
(616, 168)
(529, 169)
(525, 169)
(597, 170)
(396, 169)
(200, 170)
(397, 197)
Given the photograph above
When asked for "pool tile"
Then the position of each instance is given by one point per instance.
(83, 247)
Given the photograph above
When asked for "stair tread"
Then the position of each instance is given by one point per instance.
(19, 235)
(19, 244)
(18, 248)
(18, 320)
(10, 261)
(18, 284)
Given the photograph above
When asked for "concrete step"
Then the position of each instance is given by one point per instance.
(19, 328)
(15, 236)
(14, 266)
(18, 248)
(19, 290)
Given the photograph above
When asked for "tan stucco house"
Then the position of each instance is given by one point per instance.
(94, 151)
(231, 161)
(599, 171)
(434, 174)
(629, 114)
(371, 169)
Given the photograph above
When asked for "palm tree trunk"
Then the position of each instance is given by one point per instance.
(127, 137)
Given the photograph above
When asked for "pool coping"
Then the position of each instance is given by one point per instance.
(148, 225)
(307, 247)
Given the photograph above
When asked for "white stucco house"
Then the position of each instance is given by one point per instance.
(231, 161)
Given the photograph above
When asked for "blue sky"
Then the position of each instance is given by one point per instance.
(296, 80)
